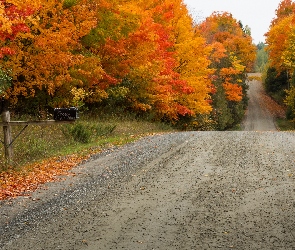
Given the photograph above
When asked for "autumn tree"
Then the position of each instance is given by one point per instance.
(232, 56)
(285, 9)
(153, 53)
(13, 17)
(142, 56)
(280, 39)
(49, 54)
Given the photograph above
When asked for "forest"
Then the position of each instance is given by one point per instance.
(147, 57)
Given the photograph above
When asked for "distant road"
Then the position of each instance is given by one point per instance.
(258, 117)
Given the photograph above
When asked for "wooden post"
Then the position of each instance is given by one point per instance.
(7, 135)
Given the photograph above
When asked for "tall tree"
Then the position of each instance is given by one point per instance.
(46, 54)
(280, 39)
(233, 54)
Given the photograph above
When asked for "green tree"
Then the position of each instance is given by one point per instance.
(261, 58)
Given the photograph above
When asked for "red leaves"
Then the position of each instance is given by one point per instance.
(6, 51)
(12, 21)
(12, 12)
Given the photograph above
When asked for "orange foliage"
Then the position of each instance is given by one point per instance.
(277, 38)
(44, 56)
(285, 9)
(15, 183)
(146, 52)
(281, 45)
(232, 51)
(233, 92)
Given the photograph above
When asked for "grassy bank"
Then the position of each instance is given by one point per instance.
(285, 125)
(89, 133)
(42, 153)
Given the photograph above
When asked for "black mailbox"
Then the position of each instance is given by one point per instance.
(65, 114)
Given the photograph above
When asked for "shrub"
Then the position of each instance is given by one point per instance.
(84, 132)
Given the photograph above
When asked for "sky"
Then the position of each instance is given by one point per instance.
(257, 14)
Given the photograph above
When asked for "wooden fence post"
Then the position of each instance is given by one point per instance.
(7, 136)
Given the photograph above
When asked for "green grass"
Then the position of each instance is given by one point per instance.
(285, 125)
(86, 134)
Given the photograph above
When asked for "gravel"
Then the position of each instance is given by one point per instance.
(188, 190)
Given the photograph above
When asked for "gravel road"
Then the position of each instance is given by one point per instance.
(190, 190)
(258, 117)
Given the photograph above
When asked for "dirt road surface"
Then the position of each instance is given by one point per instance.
(258, 117)
(191, 190)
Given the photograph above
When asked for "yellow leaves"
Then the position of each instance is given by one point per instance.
(288, 55)
(281, 46)
(277, 39)
(230, 74)
(236, 63)
(22, 4)
(289, 100)
(78, 96)
(193, 65)
(130, 7)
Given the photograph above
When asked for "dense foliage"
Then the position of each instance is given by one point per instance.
(145, 57)
(281, 47)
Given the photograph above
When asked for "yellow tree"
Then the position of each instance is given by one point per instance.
(277, 40)
(192, 54)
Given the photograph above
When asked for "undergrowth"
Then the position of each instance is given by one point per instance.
(285, 124)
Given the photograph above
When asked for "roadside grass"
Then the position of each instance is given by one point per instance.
(87, 134)
(42, 153)
(237, 127)
(285, 125)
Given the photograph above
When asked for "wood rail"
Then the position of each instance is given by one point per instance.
(44, 122)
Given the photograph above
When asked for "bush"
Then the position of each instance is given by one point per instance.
(84, 133)
(80, 133)
(275, 81)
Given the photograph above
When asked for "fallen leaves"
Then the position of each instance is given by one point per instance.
(14, 183)
(274, 108)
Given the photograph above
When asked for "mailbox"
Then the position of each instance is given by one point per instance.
(65, 114)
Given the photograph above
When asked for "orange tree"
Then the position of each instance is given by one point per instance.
(13, 17)
(43, 66)
(143, 56)
(232, 56)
